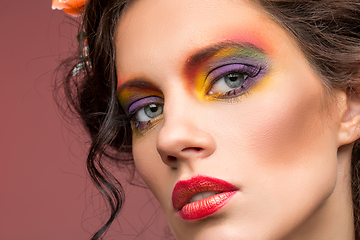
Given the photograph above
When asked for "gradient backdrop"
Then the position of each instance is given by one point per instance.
(44, 190)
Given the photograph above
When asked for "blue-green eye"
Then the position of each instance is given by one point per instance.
(228, 82)
(234, 80)
(148, 112)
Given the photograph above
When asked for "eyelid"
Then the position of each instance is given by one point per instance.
(138, 104)
(219, 72)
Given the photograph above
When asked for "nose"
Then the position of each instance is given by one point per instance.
(182, 137)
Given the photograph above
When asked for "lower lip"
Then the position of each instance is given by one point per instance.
(205, 207)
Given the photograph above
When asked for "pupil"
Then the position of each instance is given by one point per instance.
(153, 108)
(233, 77)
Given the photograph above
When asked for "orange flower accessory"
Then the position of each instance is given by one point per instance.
(72, 7)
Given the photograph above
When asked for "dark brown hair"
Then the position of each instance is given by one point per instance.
(328, 32)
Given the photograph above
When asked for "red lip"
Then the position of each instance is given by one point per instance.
(184, 190)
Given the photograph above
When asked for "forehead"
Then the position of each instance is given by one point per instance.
(158, 32)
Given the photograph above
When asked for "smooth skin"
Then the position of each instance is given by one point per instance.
(286, 143)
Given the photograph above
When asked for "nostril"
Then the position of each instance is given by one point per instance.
(196, 149)
(171, 158)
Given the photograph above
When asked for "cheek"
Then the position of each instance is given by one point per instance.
(144, 155)
(282, 143)
(284, 133)
(291, 138)
(289, 127)
(149, 164)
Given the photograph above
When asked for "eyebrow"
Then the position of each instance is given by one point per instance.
(136, 83)
(204, 54)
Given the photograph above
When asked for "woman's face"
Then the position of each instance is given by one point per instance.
(225, 103)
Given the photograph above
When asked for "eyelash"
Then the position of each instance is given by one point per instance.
(140, 108)
(245, 74)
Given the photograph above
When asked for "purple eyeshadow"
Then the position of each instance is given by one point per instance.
(143, 102)
(235, 67)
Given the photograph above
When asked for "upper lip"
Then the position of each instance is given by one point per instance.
(185, 189)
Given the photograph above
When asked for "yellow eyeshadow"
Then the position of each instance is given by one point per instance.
(124, 95)
(260, 85)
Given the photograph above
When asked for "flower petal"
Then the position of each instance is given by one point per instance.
(79, 4)
(60, 4)
(72, 7)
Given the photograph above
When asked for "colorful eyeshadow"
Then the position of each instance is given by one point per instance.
(234, 59)
(224, 71)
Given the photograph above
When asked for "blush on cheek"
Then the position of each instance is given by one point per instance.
(290, 126)
(283, 124)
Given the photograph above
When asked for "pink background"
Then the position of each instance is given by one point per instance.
(44, 190)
